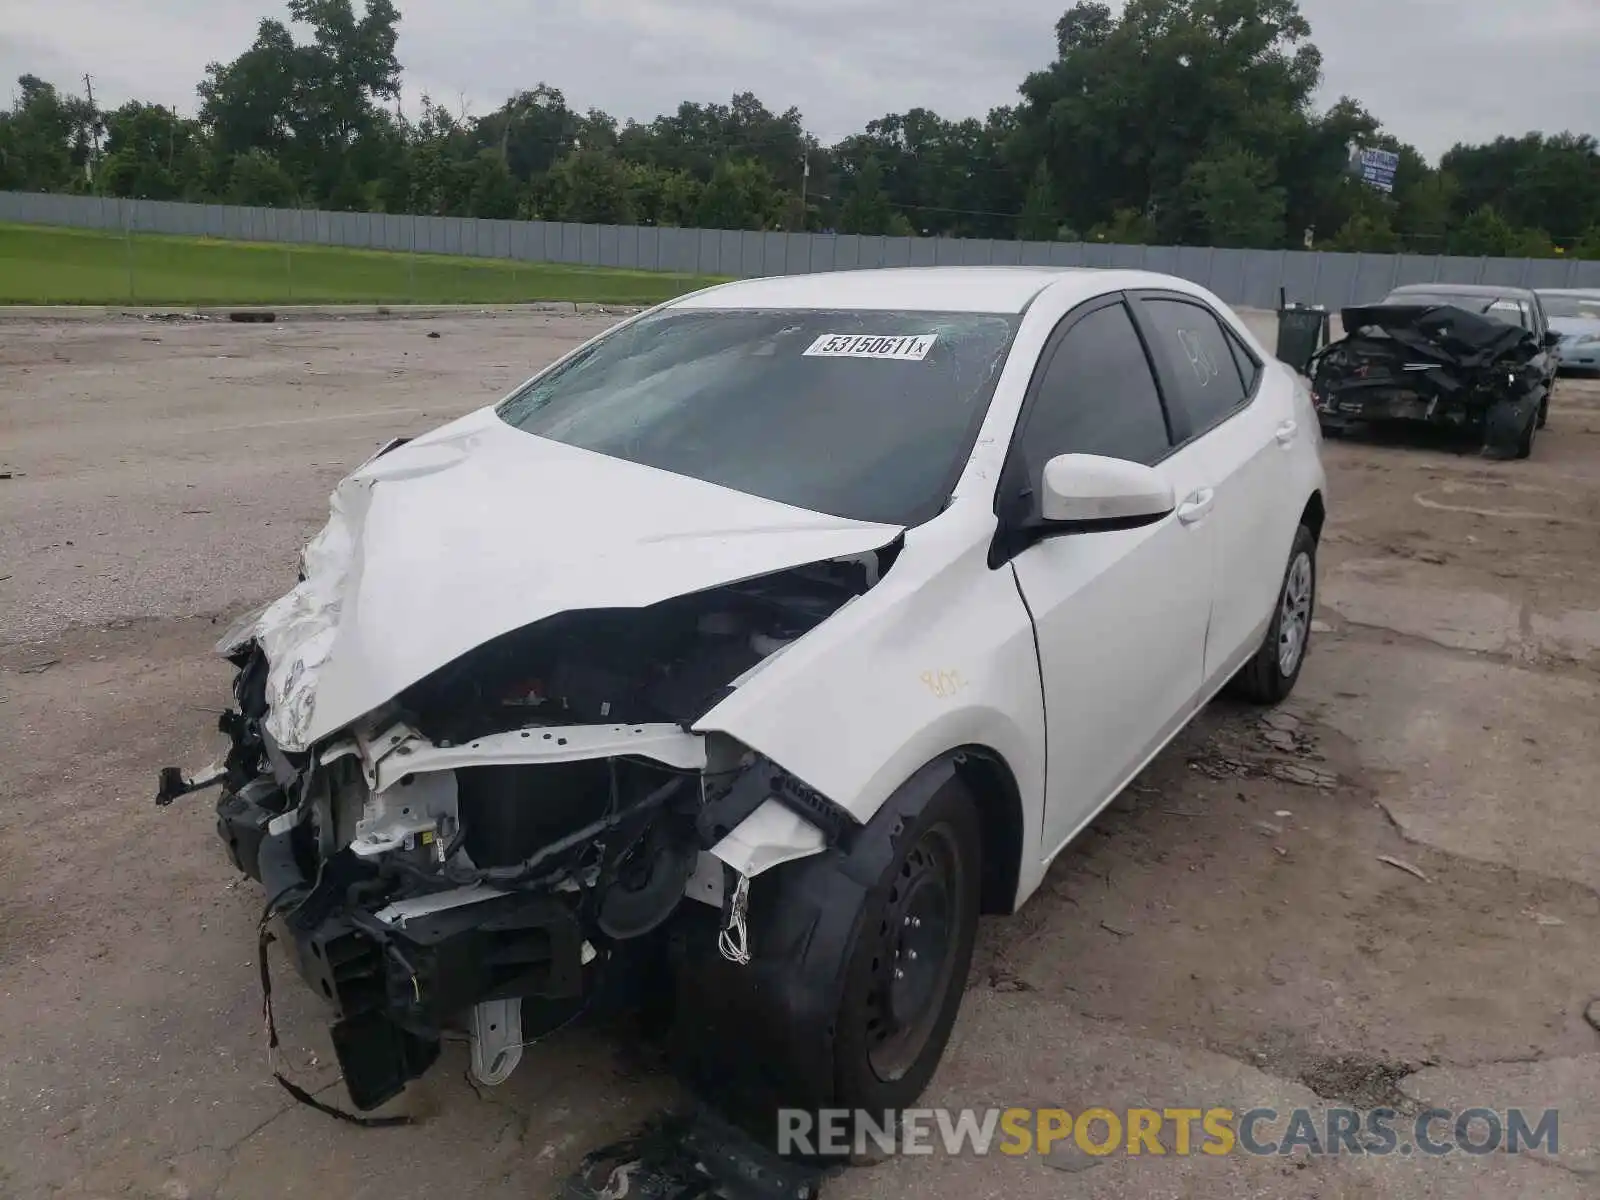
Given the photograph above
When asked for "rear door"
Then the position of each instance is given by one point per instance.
(1119, 615)
(1242, 426)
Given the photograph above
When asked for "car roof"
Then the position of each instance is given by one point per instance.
(1460, 289)
(926, 289)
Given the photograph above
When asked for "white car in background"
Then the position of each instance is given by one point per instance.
(753, 649)
(1574, 313)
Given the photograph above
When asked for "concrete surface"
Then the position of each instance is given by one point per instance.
(1226, 933)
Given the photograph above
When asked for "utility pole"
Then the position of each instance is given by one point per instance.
(94, 128)
(805, 178)
(505, 130)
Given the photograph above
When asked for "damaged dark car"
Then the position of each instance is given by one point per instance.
(1473, 360)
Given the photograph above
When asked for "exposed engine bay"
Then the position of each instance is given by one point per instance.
(518, 827)
(669, 662)
(1432, 363)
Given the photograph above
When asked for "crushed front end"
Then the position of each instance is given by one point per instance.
(1435, 364)
(517, 830)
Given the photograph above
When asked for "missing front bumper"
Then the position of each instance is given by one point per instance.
(393, 986)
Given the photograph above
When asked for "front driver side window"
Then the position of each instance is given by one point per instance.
(1097, 396)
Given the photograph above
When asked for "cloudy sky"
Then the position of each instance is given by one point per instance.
(1435, 71)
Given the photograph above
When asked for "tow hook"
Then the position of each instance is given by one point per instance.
(174, 783)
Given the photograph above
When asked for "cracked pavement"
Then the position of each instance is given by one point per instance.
(1388, 892)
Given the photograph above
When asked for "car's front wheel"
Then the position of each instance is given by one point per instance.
(858, 958)
(908, 969)
(1525, 442)
(1270, 676)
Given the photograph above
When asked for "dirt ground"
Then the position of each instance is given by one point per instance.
(1227, 933)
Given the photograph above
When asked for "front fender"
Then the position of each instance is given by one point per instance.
(940, 655)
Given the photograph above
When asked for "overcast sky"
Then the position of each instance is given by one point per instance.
(1434, 71)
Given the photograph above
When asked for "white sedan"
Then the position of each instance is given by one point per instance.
(748, 652)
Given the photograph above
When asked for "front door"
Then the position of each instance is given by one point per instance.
(1120, 616)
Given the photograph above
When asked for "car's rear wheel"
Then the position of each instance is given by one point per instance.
(1270, 676)
(908, 969)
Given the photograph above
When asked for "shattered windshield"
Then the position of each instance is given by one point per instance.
(858, 414)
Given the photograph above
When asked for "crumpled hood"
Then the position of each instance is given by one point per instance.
(1441, 331)
(478, 529)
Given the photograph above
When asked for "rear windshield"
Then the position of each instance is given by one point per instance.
(858, 414)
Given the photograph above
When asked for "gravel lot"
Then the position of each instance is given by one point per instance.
(1226, 933)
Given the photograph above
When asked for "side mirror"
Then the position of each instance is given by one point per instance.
(1552, 338)
(1091, 491)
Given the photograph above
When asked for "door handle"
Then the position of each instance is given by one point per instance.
(1196, 506)
(1285, 432)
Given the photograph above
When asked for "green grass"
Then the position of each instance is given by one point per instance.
(46, 265)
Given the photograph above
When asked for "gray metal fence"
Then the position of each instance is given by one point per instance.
(1249, 278)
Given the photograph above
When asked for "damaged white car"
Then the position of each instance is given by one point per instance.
(746, 654)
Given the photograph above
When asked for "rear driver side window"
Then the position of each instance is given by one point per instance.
(1197, 362)
(1097, 396)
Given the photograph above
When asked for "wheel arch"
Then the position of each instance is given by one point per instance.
(803, 927)
(993, 787)
(1315, 515)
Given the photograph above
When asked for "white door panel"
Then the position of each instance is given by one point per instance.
(1240, 422)
(1252, 467)
(1121, 621)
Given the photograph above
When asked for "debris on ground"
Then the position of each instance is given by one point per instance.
(1276, 747)
(1004, 979)
(682, 1157)
(1403, 865)
(1539, 918)
(1071, 1158)
(1303, 775)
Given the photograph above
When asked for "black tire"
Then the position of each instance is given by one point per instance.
(1544, 410)
(1263, 680)
(1525, 442)
(892, 1029)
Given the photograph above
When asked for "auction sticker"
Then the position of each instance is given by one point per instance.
(907, 347)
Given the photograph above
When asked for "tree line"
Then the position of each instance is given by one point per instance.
(1187, 122)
